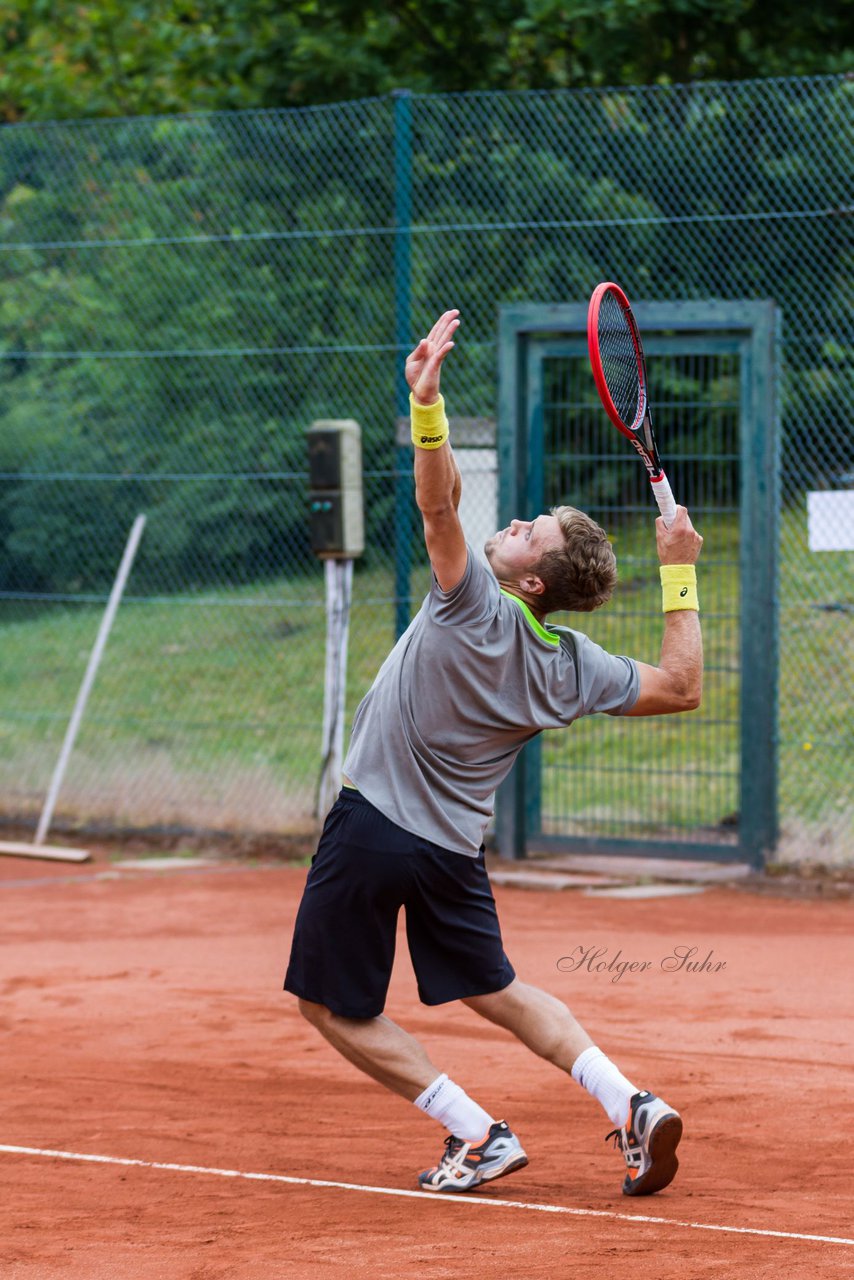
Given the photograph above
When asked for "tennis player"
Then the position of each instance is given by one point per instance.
(477, 674)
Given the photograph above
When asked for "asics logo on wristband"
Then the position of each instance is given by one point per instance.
(684, 591)
(431, 439)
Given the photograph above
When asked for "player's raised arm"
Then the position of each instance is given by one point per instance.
(437, 477)
(676, 684)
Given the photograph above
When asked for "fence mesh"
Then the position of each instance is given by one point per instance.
(183, 296)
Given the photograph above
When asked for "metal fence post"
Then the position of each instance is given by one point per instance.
(402, 334)
(511, 809)
(760, 504)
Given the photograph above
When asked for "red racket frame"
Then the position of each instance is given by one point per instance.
(643, 419)
(628, 428)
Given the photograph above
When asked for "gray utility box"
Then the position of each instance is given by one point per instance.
(335, 502)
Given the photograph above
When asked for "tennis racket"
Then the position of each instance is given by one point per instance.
(619, 371)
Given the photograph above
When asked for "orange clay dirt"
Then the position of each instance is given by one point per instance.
(143, 1019)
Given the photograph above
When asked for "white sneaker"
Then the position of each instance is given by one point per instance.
(648, 1140)
(465, 1166)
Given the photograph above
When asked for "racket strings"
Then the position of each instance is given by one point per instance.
(619, 357)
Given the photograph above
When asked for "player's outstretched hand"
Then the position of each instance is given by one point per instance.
(424, 365)
(681, 543)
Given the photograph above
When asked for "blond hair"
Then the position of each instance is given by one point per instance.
(582, 575)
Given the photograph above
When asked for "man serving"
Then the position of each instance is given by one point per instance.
(476, 675)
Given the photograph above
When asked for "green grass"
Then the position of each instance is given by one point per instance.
(208, 709)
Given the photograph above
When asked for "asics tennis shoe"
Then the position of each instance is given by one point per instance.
(648, 1140)
(466, 1165)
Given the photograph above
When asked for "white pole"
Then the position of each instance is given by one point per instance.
(339, 586)
(89, 677)
(344, 598)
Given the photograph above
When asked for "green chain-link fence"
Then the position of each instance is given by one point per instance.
(182, 296)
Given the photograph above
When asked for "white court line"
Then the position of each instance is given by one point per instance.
(420, 1195)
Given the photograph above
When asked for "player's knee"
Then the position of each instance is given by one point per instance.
(316, 1014)
(497, 1002)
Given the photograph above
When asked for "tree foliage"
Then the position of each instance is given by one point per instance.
(133, 57)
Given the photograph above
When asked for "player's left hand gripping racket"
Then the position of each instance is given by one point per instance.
(619, 371)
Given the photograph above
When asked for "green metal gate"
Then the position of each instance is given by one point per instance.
(701, 784)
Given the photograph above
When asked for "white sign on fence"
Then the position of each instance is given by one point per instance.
(830, 520)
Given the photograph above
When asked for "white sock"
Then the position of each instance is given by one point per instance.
(598, 1075)
(452, 1107)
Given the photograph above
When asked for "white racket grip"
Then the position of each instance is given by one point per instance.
(665, 499)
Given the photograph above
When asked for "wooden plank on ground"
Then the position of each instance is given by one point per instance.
(21, 850)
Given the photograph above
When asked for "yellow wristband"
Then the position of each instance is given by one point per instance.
(678, 587)
(429, 424)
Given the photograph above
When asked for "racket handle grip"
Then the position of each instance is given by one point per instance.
(665, 499)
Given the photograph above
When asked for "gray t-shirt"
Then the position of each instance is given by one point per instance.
(473, 678)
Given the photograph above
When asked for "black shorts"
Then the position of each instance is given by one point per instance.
(366, 868)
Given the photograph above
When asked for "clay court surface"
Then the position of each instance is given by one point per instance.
(143, 1021)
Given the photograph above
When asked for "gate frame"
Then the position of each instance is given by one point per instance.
(752, 329)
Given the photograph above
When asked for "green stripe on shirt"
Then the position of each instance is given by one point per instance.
(536, 626)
